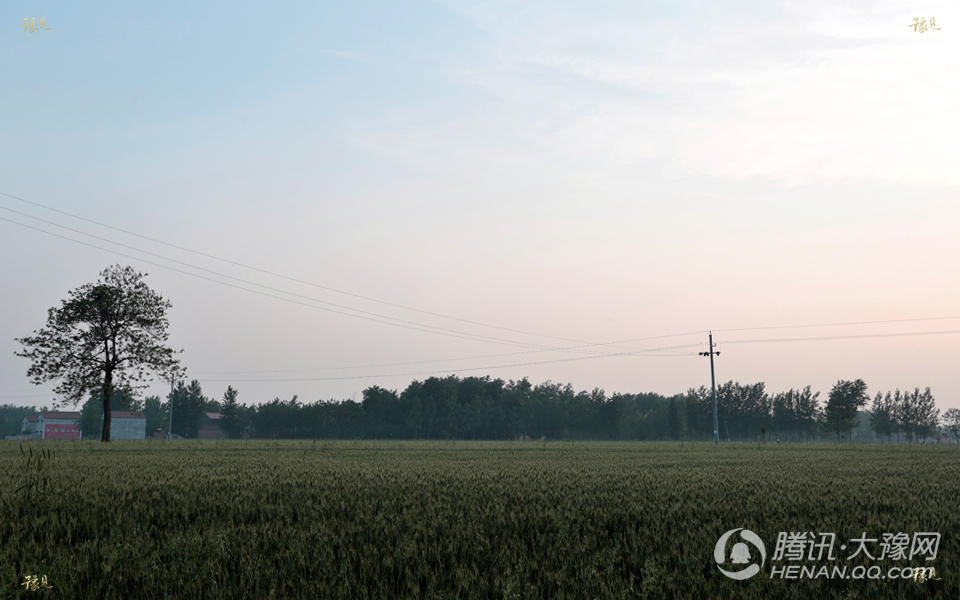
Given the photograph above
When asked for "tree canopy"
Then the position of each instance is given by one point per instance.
(108, 334)
(846, 398)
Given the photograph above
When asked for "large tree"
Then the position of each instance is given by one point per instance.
(107, 334)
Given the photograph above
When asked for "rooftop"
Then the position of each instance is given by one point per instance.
(126, 414)
(58, 414)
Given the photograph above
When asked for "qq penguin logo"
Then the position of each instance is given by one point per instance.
(748, 562)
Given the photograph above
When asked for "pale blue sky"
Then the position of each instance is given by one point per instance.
(598, 171)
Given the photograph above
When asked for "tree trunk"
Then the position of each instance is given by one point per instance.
(107, 392)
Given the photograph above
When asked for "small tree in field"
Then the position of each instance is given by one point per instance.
(107, 334)
(951, 421)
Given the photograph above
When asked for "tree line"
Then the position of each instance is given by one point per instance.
(107, 336)
(488, 408)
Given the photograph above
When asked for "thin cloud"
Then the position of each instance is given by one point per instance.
(824, 93)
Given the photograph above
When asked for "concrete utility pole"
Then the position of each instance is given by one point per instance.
(713, 386)
(170, 420)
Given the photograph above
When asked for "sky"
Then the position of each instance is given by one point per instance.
(545, 175)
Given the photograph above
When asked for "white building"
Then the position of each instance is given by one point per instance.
(127, 425)
(30, 425)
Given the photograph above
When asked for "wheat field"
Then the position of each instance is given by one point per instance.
(532, 519)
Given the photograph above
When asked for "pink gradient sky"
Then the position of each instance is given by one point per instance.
(619, 172)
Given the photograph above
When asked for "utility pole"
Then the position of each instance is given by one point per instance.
(713, 386)
(170, 420)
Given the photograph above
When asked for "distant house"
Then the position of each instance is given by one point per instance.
(210, 427)
(127, 425)
(51, 425)
(29, 429)
(30, 424)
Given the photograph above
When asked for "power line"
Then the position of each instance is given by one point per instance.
(638, 352)
(248, 282)
(643, 352)
(438, 360)
(413, 325)
(282, 276)
(478, 337)
(626, 341)
(434, 329)
(846, 337)
(540, 349)
(841, 324)
(399, 322)
(361, 296)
